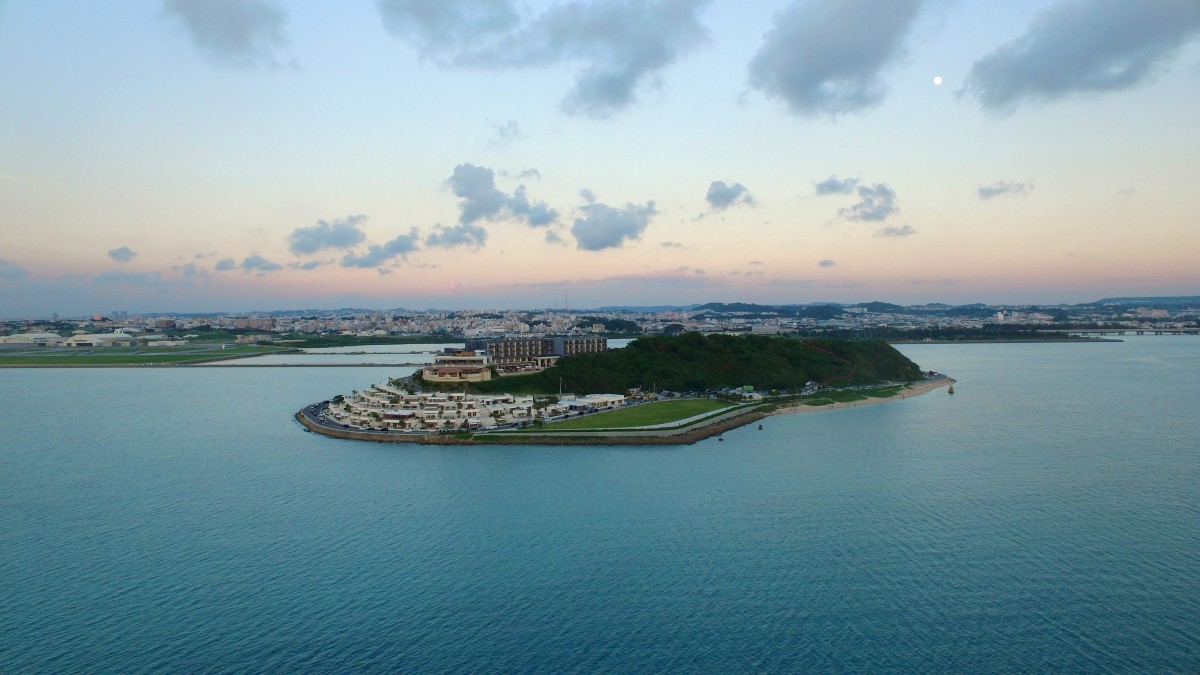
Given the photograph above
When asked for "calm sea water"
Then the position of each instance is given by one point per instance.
(1044, 518)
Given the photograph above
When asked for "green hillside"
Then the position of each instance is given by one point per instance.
(693, 361)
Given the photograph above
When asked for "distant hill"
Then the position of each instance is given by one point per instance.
(694, 361)
(646, 308)
(883, 307)
(1163, 301)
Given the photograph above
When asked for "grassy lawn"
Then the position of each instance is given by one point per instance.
(850, 396)
(659, 412)
(126, 356)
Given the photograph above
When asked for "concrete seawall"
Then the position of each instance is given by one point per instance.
(685, 436)
(698, 431)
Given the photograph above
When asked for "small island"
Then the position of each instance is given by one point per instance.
(657, 390)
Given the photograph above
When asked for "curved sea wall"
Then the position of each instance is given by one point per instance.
(698, 431)
(686, 436)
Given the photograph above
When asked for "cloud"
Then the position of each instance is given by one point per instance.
(1080, 47)
(11, 271)
(190, 270)
(480, 199)
(151, 279)
(243, 33)
(378, 254)
(122, 255)
(310, 265)
(721, 195)
(836, 186)
(341, 233)
(604, 226)
(875, 202)
(672, 244)
(225, 264)
(256, 262)
(756, 262)
(620, 43)
(1004, 188)
(530, 173)
(441, 29)
(458, 235)
(476, 188)
(505, 134)
(536, 214)
(895, 231)
(824, 57)
(826, 263)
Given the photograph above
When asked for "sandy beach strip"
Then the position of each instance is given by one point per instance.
(909, 390)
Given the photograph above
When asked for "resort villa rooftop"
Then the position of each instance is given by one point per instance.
(383, 406)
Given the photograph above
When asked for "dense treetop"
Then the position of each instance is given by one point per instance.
(694, 361)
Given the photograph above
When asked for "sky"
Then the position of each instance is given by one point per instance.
(252, 155)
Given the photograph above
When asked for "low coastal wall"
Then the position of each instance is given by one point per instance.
(684, 436)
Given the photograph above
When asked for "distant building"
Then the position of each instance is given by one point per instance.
(99, 340)
(39, 339)
(462, 365)
(535, 352)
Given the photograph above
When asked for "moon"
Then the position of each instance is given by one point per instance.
(937, 80)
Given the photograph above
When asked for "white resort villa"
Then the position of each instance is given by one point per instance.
(383, 406)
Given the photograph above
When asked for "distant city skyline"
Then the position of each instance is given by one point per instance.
(253, 155)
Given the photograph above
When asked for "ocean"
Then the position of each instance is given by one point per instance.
(1045, 517)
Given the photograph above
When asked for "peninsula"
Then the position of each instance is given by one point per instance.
(676, 389)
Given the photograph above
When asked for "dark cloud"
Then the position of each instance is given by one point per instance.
(824, 57)
(672, 244)
(378, 254)
(244, 33)
(480, 199)
(620, 43)
(1004, 188)
(875, 202)
(604, 226)
(341, 233)
(225, 264)
(1075, 47)
(721, 195)
(472, 236)
(11, 271)
(836, 186)
(530, 173)
(257, 263)
(827, 263)
(476, 188)
(123, 254)
(536, 214)
(895, 231)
